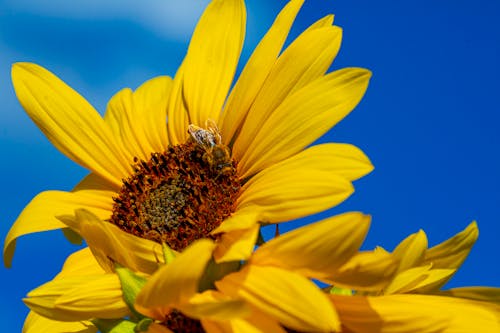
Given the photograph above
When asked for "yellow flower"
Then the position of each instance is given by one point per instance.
(160, 167)
(272, 289)
(275, 283)
(412, 300)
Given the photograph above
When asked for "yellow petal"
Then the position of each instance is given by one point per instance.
(177, 115)
(75, 298)
(236, 245)
(119, 117)
(437, 276)
(305, 60)
(278, 192)
(212, 58)
(256, 322)
(452, 252)
(341, 159)
(110, 244)
(415, 278)
(367, 271)
(289, 297)
(215, 306)
(98, 186)
(486, 294)
(241, 219)
(323, 22)
(81, 262)
(69, 121)
(318, 249)
(411, 251)
(302, 118)
(138, 119)
(175, 283)
(40, 214)
(37, 324)
(151, 100)
(416, 314)
(256, 70)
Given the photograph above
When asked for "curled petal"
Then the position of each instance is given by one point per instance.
(236, 245)
(107, 242)
(174, 284)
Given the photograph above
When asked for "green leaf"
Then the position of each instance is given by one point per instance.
(143, 325)
(340, 291)
(214, 272)
(131, 285)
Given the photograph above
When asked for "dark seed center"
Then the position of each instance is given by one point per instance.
(179, 323)
(177, 196)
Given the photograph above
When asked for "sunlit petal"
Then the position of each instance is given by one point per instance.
(416, 314)
(175, 283)
(40, 214)
(75, 298)
(316, 250)
(212, 57)
(111, 245)
(37, 324)
(69, 121)
(294, 300)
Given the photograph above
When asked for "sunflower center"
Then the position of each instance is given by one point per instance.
(179, 323)
(179, 195)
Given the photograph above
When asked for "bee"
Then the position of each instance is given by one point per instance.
(216, 154)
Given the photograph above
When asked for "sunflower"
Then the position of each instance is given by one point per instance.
(186, 158)
(272, 291)
(191, 293)
(412, 301)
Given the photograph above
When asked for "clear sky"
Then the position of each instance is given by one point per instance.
(429, 121)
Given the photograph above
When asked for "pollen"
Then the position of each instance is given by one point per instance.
(176, 196)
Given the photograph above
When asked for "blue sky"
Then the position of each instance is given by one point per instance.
(429, 121)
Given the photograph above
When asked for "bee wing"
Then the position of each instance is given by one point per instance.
(202, 137)
(212, 127)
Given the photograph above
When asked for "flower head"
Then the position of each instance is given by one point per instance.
(183, 159)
